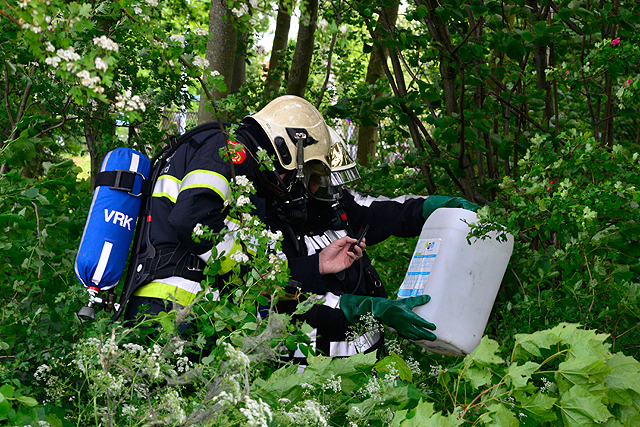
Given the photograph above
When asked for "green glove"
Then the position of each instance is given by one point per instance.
(396, 314)
(434, 202)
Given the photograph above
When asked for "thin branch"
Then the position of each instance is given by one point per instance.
(59, 124)
(570, 23)
(516, 109)
(334, 37)
(6, 96)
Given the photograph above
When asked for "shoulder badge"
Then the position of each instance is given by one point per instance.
(237, 152)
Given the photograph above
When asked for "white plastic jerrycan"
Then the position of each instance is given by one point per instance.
(462, 279)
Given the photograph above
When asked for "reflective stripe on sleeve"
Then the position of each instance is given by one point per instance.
(206, 179)
(348, 348)
(167, 186)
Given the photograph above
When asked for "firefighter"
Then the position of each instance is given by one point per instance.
(319, 221)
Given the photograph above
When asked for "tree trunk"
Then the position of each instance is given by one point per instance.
(368, 135)
(280, 39)
(221, 53)
(239, 73)
(301, 63)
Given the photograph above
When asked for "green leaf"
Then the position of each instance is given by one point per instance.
(584, 371)
(27, 401)
(395, 363)
(499, 416)
(7, 390)
(32, 192)
(529, 345)
(485, 353)
(580, 408)
(470, 134)
(538, 407)
(5, 408)
(624, 376)
(477, 376)
(519, 375)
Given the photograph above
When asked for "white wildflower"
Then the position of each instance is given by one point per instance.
(146, 18)
(215, 73)
(258, 413)
(242, 201)
(197, 230)
(101, 64)
(41, 371)
(128, 102)
(435, 371)
(243, 182)
(308, 413)
(105, 43)
(49, 47)
(239, 257)
(242, 10)
(68, 54)
(152, 3)
(23, 3)
(333, 383)
(54, 61)
(236, 357)
(137, 10)
(323, 24)
(201, 31)
(161, 45)
(178, 38)
(200, 61)
(344, 28)
(129, 410)
(87, 80)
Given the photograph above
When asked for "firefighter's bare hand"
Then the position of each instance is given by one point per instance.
(337, 256)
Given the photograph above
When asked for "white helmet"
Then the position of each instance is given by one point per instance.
(286, 121)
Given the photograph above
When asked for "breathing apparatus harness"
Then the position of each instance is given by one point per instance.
(292, 197)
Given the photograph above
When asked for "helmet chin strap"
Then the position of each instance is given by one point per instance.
(300, 138)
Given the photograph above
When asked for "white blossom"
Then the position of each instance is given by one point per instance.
(201, 31)
(146, 18)
(105, 43)
(178, 38)
(200, 61)
(197, 230)
(308, 413)
(239, 257)
(127, 102)
(129, 410)
(137, 10)
(242, 10)
(152, 3)
(258, 413)
(54, 61)
(323, 24)
(101, 64)
(344, 28)
(87, 80)
(68, 54)
(242, 201)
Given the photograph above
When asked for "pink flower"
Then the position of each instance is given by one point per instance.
(629, 81)
(548, 188)
(615, 41)
(566, 73)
